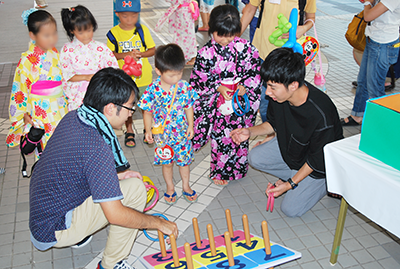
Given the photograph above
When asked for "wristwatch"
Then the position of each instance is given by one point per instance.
(294, 185)
(367, 3)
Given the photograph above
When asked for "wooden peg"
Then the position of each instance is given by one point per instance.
(211, 240)
(229, 222)
(228, 245)
(267, 244)
(162, 244)
(196, 232)
(188, 254)
(246, 229)
(174, 250)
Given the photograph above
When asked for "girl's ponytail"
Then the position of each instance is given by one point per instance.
(77, 18)
(66, 14)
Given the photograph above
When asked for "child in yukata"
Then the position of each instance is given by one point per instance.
(169, 102)
(181, 17)
(225, 56)
(37, 97)
(82, 57)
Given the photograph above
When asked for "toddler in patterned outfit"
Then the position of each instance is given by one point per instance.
(169, 90)
(82, 57)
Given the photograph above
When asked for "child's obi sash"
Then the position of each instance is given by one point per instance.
(193, 9)
(48, 88)
(84, 84)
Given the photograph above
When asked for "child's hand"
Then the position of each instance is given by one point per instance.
(28, 119)
(190, 133)
(226, 92)
(149, 137)
(135, 54)
(242, 90)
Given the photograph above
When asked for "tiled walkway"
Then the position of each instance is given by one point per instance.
(364, 244)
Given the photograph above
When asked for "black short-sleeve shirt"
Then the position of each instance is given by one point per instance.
(302, 131)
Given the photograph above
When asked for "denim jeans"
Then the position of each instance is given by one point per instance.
(375, 63)
(253, 27)
(264, 101)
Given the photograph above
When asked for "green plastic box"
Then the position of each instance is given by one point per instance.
(380, 132)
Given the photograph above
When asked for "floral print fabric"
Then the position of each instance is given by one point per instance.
(77, 58)
(157, 101)
(46, 111)
(215, 63)
(181, 24)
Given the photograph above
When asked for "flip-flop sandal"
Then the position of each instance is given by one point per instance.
(350, 122)
(127, 140)
(186, 195)
(144, 137)
(334, 195)
(166, 195)
(212, 181)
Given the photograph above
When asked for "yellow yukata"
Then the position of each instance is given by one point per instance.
(37, 90)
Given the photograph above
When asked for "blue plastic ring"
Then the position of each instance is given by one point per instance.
(247, 104)
(145, 231)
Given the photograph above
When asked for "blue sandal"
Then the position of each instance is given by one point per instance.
(186, 195)
(170, 196)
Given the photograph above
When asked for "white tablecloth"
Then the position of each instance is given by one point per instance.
(367, 184)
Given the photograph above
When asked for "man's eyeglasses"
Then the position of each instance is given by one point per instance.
(133, 109)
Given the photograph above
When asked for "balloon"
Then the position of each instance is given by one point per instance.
(131, 67)
(128, 59)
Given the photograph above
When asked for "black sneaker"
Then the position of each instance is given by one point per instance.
(84, 242)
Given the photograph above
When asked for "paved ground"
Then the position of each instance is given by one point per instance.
(364, 245)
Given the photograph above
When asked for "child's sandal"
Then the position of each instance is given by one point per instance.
(186, 195)
(167, 196)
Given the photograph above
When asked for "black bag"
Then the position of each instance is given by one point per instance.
(28, 144)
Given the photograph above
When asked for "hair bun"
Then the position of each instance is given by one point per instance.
(25, 15)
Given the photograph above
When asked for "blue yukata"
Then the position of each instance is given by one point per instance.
(156, 100)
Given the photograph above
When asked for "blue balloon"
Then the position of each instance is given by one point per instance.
(292, 43)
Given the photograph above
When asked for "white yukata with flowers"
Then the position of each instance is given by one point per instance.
(181, 24)
(77, 58)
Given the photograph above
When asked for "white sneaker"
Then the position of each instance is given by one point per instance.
(121, 265)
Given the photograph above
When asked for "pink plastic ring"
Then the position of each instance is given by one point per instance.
(155, 200)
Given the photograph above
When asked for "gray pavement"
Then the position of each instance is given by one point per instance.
(364, 244)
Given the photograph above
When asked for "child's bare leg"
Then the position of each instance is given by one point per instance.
(167, 170)
(185, 175)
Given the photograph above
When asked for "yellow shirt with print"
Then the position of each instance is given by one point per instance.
(127, 41)
(269, 21)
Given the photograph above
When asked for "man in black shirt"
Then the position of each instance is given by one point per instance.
(304, 120)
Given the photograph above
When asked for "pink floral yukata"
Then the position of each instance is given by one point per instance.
(181, 24)
(79, 59)
(213, 64)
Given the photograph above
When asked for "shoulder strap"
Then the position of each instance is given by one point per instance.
(139, 30)
(170, 105)
(261, 12)
(113, 40)
(302, 6)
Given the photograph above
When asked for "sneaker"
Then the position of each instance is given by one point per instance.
(121, 265)
(84, 242)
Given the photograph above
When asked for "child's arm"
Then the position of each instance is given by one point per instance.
(148, 53)
(77, 78)
(189, 116)
(147, 120)
(122, 55)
